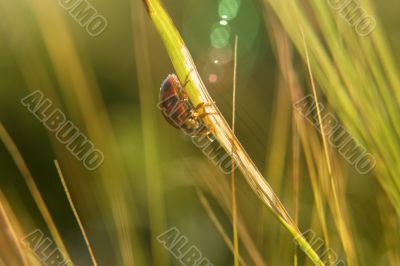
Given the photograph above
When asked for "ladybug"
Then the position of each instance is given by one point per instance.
(177, 109)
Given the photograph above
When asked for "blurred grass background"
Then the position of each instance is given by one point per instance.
(108, 86)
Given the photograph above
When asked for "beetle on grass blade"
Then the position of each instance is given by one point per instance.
(179, 111)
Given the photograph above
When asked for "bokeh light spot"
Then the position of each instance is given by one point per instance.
(223, 22)
(220, 36)
(228, 9)
(222, 55)
(213, 78)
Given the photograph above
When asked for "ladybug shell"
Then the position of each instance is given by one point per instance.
(172, 102)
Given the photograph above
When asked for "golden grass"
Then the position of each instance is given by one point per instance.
(30, 182)
(356, 78)
(340, 68)
(78, 220)
(8, 226)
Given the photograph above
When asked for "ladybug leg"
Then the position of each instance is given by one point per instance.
(205, 132)
(206, 114)
(201, 106)
(187, 80)
(202, 115)
(210, 136)
(200, 112)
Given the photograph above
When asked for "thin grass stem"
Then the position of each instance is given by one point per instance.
(78, 220)
(234, 204)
